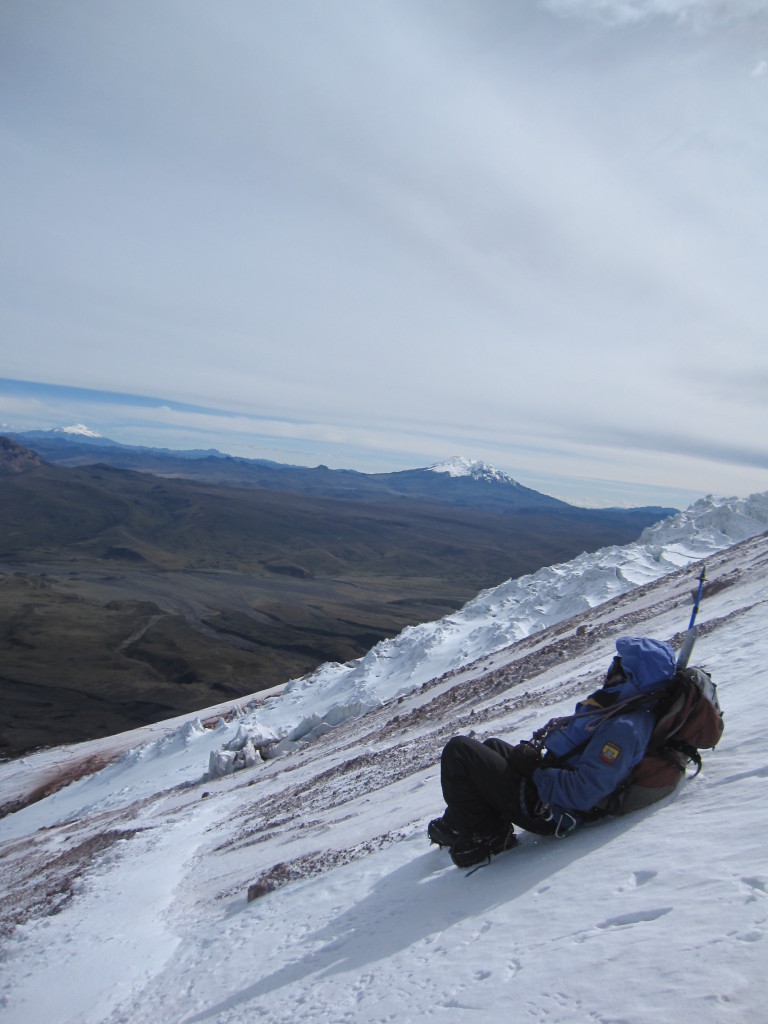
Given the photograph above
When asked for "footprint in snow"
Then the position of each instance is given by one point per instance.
(753, 936)
(513, 967)
(637, 879)
(757, 888)
(623, 920)
(643, 877)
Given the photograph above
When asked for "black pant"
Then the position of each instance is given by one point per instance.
(486, 788)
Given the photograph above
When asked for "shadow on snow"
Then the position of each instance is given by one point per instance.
(422, 898)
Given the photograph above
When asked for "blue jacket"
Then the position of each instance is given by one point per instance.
(595, 753)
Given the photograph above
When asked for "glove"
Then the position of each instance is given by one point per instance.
(525, 759)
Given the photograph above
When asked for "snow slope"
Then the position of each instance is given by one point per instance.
(124, 895)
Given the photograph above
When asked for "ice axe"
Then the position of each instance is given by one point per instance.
(693, 630)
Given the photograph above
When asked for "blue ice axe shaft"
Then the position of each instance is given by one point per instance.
(693, 630)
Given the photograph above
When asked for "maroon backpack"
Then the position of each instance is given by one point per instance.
(688, 720)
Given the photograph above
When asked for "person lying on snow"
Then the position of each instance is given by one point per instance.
(491, 786)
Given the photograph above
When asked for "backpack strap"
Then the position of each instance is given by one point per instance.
(599, 707)
(687, 750)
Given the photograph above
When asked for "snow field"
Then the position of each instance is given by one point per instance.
(657, 917)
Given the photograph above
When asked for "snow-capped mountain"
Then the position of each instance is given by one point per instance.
(60, 439)
(458, 466)
(78, 430)
(125, 893)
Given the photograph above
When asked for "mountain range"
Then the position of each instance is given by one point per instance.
(457, 481)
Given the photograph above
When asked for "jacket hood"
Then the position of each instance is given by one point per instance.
(645, 662)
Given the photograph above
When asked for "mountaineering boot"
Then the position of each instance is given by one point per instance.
(442, 832)
(476, 849)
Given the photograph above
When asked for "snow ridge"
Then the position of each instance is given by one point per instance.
(500, 616)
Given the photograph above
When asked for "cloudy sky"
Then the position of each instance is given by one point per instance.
(377, 233)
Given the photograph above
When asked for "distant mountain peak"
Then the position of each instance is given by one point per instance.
(458, 466)
(78, 429)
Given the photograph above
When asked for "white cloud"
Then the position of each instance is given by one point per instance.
(698, 13)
